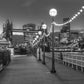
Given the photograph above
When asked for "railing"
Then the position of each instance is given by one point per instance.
(74, 58)
(69, 57)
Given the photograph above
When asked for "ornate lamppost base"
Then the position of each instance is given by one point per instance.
(44, 63)
(53, 71)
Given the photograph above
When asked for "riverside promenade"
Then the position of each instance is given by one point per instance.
(28, 70)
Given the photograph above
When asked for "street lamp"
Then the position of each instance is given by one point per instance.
(39, 46)
(53, 13)
(44, 26)
(35, 42)
(39, 32)
(37, 37)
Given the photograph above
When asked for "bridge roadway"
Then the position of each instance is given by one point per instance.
(28, 70)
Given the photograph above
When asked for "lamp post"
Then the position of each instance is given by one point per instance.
(39, 46)
(44, 26)
(35, 43)
(53, 13)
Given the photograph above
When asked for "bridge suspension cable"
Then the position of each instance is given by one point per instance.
(73, 18)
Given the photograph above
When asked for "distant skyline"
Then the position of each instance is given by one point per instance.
(21, 12)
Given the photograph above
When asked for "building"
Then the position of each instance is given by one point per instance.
(17, 39)
(29, 35)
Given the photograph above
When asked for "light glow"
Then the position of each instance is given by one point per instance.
(53, 12)
(37, 36)
(73, 18)
(81, 10)
(18, 33)
(44, 26)
(82, 7)
(39, 32)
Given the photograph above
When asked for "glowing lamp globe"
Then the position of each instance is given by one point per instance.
(44, 26)
(37, 36)
(53, 12)
(39, 32)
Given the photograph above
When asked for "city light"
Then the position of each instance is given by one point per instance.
(82, 7)
(35, 39)
(74, 17)
(78, 13)
(81, 10)
(53, 13)
(18, 33)
(37, 36)
(39, 32)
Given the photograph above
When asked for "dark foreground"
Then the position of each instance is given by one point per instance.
(27, 70)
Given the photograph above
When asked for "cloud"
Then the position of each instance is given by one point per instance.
(28, 3)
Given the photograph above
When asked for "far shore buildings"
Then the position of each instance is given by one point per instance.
(17, 39)
(73, 34)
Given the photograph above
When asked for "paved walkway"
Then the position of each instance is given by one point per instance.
(27, 70)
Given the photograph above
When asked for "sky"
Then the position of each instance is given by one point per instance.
(22, 12)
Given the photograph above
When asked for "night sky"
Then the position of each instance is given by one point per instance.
(21, 12)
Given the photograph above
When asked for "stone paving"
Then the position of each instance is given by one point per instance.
(28, 70)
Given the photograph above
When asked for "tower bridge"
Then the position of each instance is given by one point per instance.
(23, 30)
